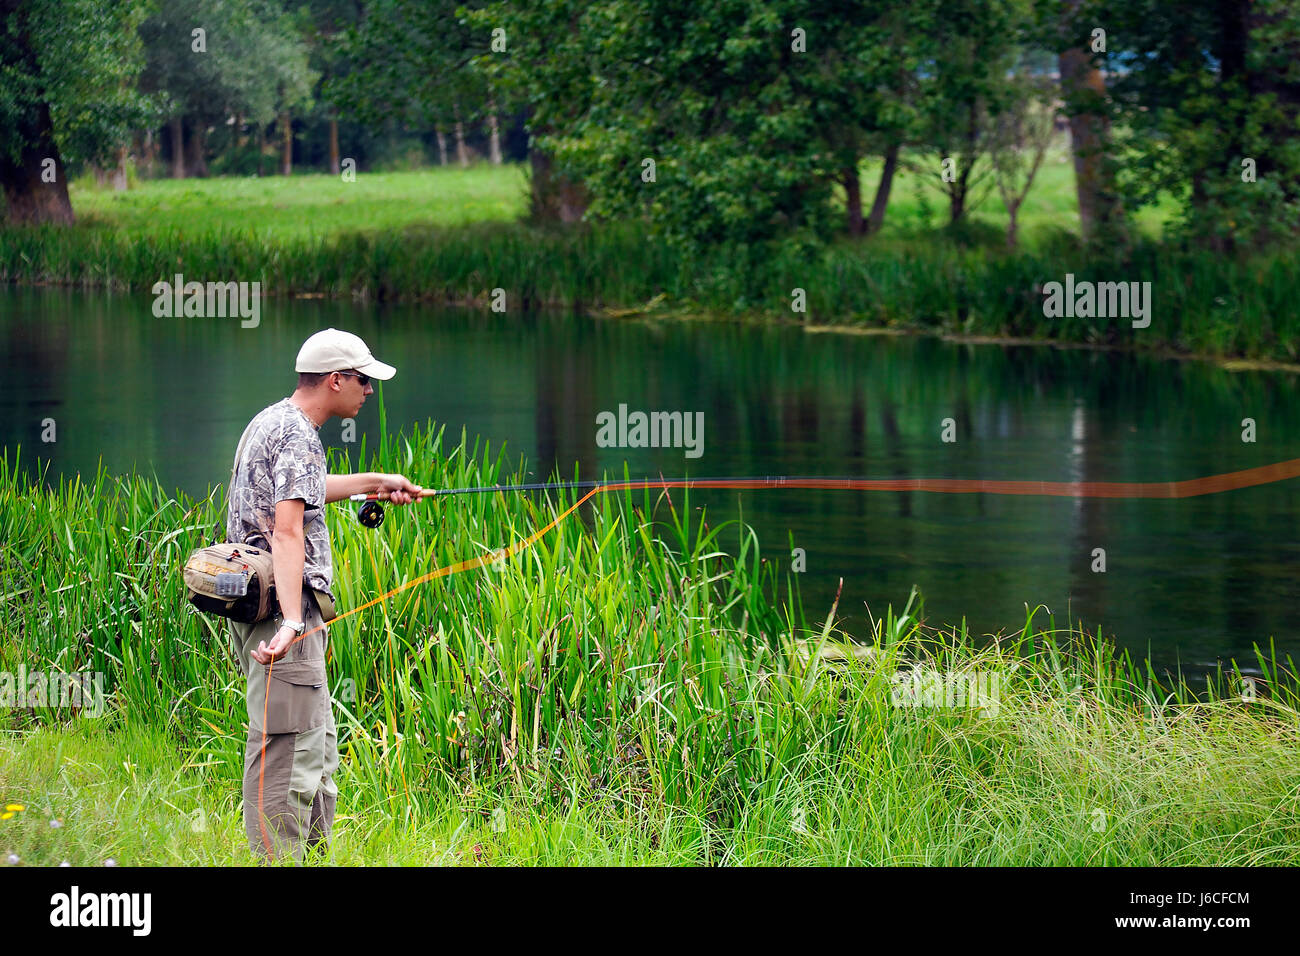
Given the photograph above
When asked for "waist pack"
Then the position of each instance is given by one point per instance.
(234, 580)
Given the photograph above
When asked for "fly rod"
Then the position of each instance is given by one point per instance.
(371, 513)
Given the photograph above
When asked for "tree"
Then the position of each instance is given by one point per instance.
(860, 73)
(1083, 88)
(1022, 131)
(211, 62)
(540, 55)
(962, 85)
(413, 62)
(326, 24)
(1206, 95)
(692, 116)
(67, 93)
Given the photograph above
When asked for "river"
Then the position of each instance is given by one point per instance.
(1191, 582)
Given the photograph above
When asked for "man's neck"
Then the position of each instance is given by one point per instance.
(310, 406)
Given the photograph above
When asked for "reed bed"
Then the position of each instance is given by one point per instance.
(641, 685)
(1202, 302)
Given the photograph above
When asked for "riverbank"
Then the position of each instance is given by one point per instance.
(1201, 303)
(621, 692)
(451, 237)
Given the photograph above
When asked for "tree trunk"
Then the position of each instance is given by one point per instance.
(959, 189)
(1083, 89)
(148, 153)
(28, 197)
(852, 199)
(494, 136)
(462, 155)
(119, 170)
(261, 147)
(286, 154)
(174, 130)
(335, 166)
(554, 198)
(195, 160)
(1013, 210)
(241, 135)
(442, 145)
(881, 203)
(956, 202)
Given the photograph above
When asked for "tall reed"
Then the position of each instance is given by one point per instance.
(640, 658)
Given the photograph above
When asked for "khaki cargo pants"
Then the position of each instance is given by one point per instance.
(300, 744)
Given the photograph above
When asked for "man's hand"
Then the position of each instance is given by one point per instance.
(400, 491)
(279, 646)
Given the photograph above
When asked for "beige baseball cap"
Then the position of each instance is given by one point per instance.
(331, 350)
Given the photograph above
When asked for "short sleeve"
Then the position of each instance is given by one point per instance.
(297, 472)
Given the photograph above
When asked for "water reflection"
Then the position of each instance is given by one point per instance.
(1192, 580)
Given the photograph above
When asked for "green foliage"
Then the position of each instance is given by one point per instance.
(255, 62)
(1196, 89)
(299, 236)
(963, 84)
(411, 61)
(749, 111)
(79, 58)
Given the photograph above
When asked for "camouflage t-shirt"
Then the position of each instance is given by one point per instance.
(283, 458)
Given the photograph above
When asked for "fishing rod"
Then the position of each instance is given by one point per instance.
(371, 514)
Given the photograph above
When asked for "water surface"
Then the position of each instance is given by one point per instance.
(1190, 581)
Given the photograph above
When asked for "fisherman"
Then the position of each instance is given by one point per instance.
(276, 501)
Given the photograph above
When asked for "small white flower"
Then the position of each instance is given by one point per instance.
(12, 859)
(65, 863)
(55, 824)
(110, 862)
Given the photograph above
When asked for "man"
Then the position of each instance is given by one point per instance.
(276, 501)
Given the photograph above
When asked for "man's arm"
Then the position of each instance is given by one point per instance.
(338, 487)
(288, 554)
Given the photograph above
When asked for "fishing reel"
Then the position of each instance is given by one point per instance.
(370, 514)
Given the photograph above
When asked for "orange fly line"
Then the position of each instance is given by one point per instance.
(1191, 488)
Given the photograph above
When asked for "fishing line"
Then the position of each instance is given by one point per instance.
(1191, 488)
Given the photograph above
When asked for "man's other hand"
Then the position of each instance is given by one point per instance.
(400, 491)
(264, 654)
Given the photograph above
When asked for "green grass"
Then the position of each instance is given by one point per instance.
(918, 207)
(314, 206)
(639, 686)
(446, 236)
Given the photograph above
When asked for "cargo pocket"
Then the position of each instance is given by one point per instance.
(297, 698)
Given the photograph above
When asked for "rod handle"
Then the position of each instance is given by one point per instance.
(376, 496)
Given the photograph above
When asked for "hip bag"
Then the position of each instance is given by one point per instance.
(231, 579)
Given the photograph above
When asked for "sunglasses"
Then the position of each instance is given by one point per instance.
(362, 380)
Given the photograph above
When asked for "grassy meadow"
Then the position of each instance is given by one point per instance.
(318, 205)
(305, 207)
(452, 236)
(623, 691)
